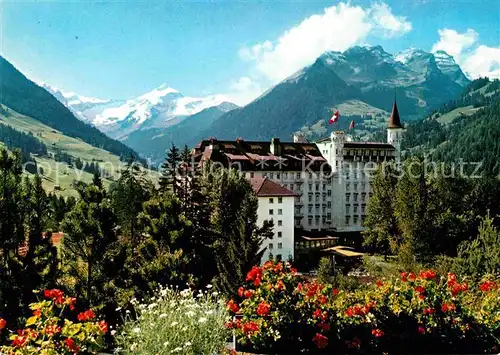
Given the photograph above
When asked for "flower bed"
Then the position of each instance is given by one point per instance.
(48, 332)
(281, 313)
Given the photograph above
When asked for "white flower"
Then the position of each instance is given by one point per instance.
(184, 329)
(118, 309)
(133, 346)
(202, 320)
(190, 313)
(209, 286)
(113, 332)
(127, 311)
(137, 330)
(133, 300)
(176, 350)
(174, 324)
(163, 315)
(152, 305)
(215, 293)
(165, 344)
(188, 344)
(210, 312)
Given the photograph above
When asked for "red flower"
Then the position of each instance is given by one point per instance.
(404, 276)
(322, 299)
(268, 265)
(320, 314)
(280, 285)
(451, 277)
(299, 286)
(103, 326)
(379, 283)
(256, 282)
(448, 307)
(51, 330)
(411, 276)
(37, 313)
(233, 306)
(3, 323)
(487, 286)
(71, 345)
(19, 341)
(278, 268)
(324, 326)
(241, 291)
(455, 287)
(428, 274)
(250, 328)
(377, 333)
(429, 311)
(263, 309)
(85, 316)
(421, 330)
(254, 273)
(335, 291)
(421, 297)
(320, 340)
(293, 270)
(420, 289)
(55, 294)
(248, 293)
(229, 325)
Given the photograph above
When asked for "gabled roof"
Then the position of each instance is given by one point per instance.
(265, 187)
(394, 121)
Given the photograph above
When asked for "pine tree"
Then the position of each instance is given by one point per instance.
(381, 224)
(238, 246)
(169, 179)
(89, 244)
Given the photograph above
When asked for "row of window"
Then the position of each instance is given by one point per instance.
(355, 186)
(354, 209)
(354, 220)
(286, 175)
(271, 246)
(355, 196)
(271, 212)
(280, 200)
(310, 196)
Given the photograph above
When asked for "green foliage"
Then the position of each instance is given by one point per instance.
(174, 321)
(234, 219)
(14, 139)
(326, 270)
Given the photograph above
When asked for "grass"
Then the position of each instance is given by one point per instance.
(449, 117)
(57, 173)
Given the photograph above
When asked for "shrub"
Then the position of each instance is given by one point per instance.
(279, 312)
(175, 322)
(47, 332)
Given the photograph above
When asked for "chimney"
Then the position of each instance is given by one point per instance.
(275, 146)
(298, 137)
(214, 145)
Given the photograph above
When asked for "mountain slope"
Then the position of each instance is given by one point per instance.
(152, 143)
(367, 75)
(29, 99)
(466, 128)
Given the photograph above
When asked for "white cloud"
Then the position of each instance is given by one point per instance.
(455, 43)
(483, 61)
(337, 28)
(387, 23)
(244, 90)
(475, 62)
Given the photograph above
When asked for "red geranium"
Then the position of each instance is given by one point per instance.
(71, 345)
(429, 311)
(103, 326)
(421, 330)
(250, 328)
(263, 309)
(335, 291)
(3, 323)
(248, 293)
(377, 333)
(487, 286)
(233, 306)
(411, 276)
(325, 326)
(404, 276)
(254, 273)
(55, 294)
(320, 340)
(428, 274)
(448, 307)
(85, 316)
(241, 291)
(379, 283)
(420, 289)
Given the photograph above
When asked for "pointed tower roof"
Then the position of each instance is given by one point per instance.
(394, 121)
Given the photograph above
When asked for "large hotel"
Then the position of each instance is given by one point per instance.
(329, 180)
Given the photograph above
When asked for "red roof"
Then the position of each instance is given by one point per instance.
(394, 121)
(264, 187)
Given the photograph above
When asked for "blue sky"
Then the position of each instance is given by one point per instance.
(122, 49)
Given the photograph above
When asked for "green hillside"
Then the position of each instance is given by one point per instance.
(59, 175)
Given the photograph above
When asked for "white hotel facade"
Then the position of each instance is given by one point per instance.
(330, 179)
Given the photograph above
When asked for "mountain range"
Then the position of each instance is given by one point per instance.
(359, 82)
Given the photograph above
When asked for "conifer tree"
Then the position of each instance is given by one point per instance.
(169, 179)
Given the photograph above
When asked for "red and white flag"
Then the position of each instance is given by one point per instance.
(351, 126)
(335, 117)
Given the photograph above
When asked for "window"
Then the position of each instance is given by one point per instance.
(278, 176)
(329, 204)
(271, 212)
(280, 222)
(309, 221)
(279, 257)
(298, 175)
(355, 219)
(355, 186)
(280, 245)
(310, 187)
(310, 197)
(270, 246)
(347, 218)
(355, 197)
(324, 197)
(362, 208)
(271, 200)
(347, 209)
(310, 175)
(280, 234)
(271, 175)
(363, 185)
(324, 186)
(329, 192)
(329, 215)
(317, 219)
(310, 209)
(297, 222)
(317, 187)
(280, 211)
(347, 186)
(363, 196)
(251, 175)
(355, 208)
(347, 197)
(280, 199)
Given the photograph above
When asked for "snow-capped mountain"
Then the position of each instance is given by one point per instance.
(159, 108)
(446, 63)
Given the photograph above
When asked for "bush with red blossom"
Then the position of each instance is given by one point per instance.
(418, 313)
(47, 332)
